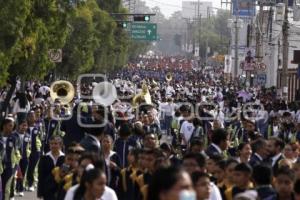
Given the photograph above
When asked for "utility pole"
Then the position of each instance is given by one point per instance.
(236, 48)
(259, 33)
(199, 30)
(285, 52)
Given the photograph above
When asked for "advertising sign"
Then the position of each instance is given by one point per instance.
(244, 8)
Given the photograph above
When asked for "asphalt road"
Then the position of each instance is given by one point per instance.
(28, 196)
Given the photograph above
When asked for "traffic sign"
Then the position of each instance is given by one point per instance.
(55, 55)
(144, 31)
(261, 79)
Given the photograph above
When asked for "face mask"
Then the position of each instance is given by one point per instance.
(187, 195)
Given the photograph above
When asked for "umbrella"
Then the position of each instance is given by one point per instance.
(245, 95)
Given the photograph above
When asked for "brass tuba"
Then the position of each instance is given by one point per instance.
(169, 77)
(143, 97)
(63, 91)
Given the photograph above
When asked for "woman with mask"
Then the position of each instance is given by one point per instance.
(171, 184)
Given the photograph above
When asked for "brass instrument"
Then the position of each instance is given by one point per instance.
(169, 77)
(62, 91)
(105, 93)
(143, 97)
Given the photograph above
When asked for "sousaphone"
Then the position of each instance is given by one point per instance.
(105, 93)
(169, 77)
(62, 91)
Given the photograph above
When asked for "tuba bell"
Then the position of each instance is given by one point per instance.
(63, 91)
(143, 97)
(105, 93)
(169, 77)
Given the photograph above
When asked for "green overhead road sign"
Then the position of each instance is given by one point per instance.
(144, 31)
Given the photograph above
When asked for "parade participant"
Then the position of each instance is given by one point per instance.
(260, 152)
(150, 141)
(170, 184)
(129, 175)
(91, 141)
(262, 179)
(220, 140)
(11, 156)
(170, 154)
(21, 107)
(275, 147)
(296, 169)
(291, 151)
(202, 185)
(124, 143)
(144, 179)
(244, 152)
(197, 146)
(25, 144)
(35, 150)
(73, 132)
(228, 179)
(51, 128)
(90, 161)
(242, 181)
(47, 163)
(93, 186)
(284, 179)
(65, 176)
(219, 175)
(196, 163)
(112, 161)
(211, 163)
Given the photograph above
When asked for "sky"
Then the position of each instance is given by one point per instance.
(170, 6)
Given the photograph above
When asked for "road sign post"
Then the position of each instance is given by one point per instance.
(144, 31)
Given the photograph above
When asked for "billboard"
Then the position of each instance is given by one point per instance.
(190, 9)
(244, 8)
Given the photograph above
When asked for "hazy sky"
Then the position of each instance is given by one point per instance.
(170, 6)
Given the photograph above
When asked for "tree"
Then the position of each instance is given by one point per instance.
(80, 44)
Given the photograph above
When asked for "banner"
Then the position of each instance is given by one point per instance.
(244, 8)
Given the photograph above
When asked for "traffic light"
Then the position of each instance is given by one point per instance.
(141, 18)
(122, 24)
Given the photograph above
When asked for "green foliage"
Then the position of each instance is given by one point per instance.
(214, 33)
(84, 30)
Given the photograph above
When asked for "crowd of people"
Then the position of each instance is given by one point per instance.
(201, 138)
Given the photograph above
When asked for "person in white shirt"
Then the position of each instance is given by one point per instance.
(92, 186)
(186, 131)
